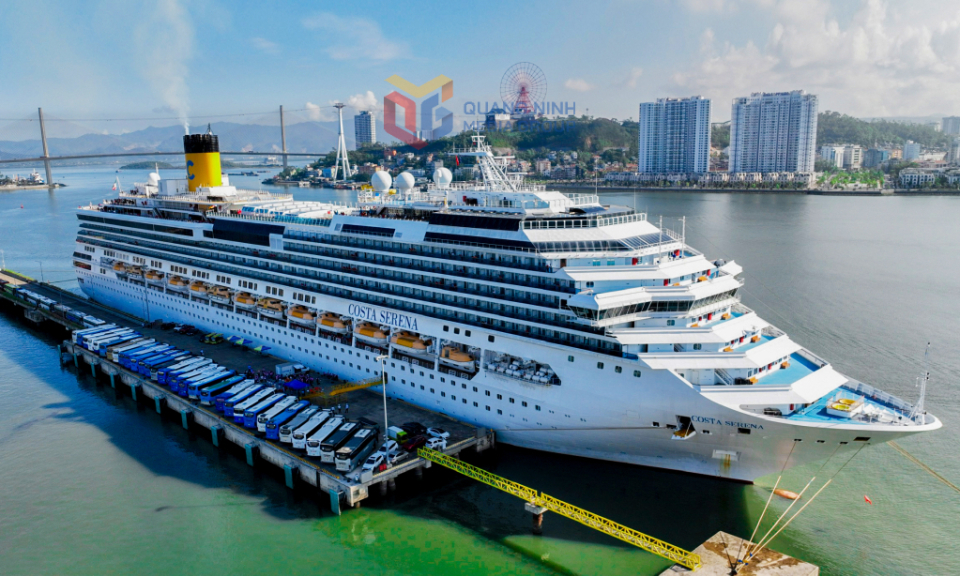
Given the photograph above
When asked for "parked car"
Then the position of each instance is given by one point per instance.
(414, 428)
(436, 443)
(438, 433)
(373, 462)
(213, 338)
(413, 443)
(167, 326)
(389, 447)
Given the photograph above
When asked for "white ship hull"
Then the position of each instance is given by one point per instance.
(603, 414)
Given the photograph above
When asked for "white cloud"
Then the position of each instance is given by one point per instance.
(366, 101)
(883, 60)
(163, 48)
(264, 45)
(578, 84)
(356, 103)
(355, 38)
(633, 77)
(318, 113)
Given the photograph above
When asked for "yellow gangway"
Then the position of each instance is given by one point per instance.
(589, 519)
(343, 388)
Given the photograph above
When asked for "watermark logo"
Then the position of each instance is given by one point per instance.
(430, 110)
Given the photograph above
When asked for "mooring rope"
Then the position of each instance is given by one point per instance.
(765, 506)
(930, 470)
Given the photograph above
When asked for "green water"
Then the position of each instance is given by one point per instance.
(90, 483)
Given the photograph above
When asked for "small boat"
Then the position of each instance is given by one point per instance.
(271, 307)
(135, 271)
(220, 294)
(453, 356)
(302, 315)
(177, 283)
(154, 277)
(371, 334)
(245, 300)
(199, 289)
(333, 323)
(120, 268)
(410, 343)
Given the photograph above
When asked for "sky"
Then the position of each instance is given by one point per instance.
(161, 62)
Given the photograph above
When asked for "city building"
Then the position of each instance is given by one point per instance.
(953, 156)
(911, 151)
(950, 125)
(497, 119)
(915, 177)
(875, 157)
(773, 132)
(675, 136)
(852, 157)
(832, 154)
(364, 129)
(542, 166)
(935, 125)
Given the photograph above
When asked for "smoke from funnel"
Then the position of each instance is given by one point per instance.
(164, 46)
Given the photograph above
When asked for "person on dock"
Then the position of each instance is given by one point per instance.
(346, 408)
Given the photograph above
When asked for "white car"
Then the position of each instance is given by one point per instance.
(438, 433)
(389, 447)
(373, 462)
(436, 443)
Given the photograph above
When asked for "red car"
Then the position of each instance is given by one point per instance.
(413, 443)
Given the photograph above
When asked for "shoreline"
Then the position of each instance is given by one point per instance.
(811, 192)
(8, 187)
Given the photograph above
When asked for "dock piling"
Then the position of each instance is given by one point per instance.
(215, 432)
(158, 401)
(185, 416)
(252, 450)
(288, 475)
(537, 512)
(335, 502)
(112, 383)
(133, 389)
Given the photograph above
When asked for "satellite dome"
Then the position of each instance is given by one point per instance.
(153, 179)
(405, 181)
(442, 177)
(381, 181)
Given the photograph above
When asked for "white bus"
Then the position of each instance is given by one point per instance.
(314, 442)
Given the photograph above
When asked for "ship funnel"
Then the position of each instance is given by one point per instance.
(203, 160)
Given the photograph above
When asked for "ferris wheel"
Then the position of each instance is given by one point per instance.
(522, 85)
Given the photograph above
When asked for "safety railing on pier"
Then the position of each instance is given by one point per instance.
(587, 518)
(343, 388)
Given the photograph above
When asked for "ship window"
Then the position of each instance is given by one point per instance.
(569, 358)
(490, 338)
(464, 386)
(500, 412)
(589, 284)
(524, 403)
(862, 439)
(671, 322)
(656, 424)
(698, 346)
(444, 394)
(475, 405)
(488, 408)
(743, 430)
(499, 396)
(636, 373)
(466, 333)
(600, 365)
(432, 391)
(511, 401)
(537, 407)
(486, 392)
(446, 328)
(618, 369)
(456, 330)
(464, 400)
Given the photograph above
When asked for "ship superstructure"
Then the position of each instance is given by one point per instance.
(564, 324)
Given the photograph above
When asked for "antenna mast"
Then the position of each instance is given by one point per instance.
(342, 146)
(918, 410)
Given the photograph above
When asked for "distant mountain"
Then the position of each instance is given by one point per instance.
(302, 137)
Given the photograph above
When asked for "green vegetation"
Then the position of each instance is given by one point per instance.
(840, 179)
(837, 128)
(146, 165)
(720, 135)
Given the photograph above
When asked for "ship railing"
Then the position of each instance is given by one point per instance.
(724, 378)
(275, 218)
(806, 354)
(879, 396)
(774, 332)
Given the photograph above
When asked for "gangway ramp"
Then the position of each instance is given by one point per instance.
(343, 388)
(585, 517)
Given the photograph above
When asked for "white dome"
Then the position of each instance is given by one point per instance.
(153, 179)
(381, 181)
(442, 177)
(405, 181)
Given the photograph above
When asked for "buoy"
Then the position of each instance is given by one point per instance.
(786, 494)
(21, 206)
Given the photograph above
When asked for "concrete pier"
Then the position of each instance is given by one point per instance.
(719, 557)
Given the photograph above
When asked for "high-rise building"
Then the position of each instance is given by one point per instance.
(675, 136)
(953, 156)
(875, 157)
(950, 125)
(911, 151)
(775, 132)
(832, 154)
(852, 157)
(364, 129)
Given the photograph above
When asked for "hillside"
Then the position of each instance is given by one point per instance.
(837, 128)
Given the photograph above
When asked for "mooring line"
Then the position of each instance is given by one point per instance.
(930, 470)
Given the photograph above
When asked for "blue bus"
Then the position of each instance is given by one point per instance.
(144, 364)
(236, 406)
(193, 389)
(166, 375)
(273, 425)
(220, 402)
(209, 393)
(150, 369)
(181, 386)
(174, 382)
(80, 335)
(104, 346)
(251, 413)
(129, 359)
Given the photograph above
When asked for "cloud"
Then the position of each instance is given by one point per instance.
(356, 103)
(265, 46)
(163, 47)
(578, 84)
(633, 77)
(366, 101)
(318, 113)
(882, 60)
(355, 38)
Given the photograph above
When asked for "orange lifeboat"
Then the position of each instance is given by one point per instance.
(409, 343)
(302, 315)
(371, 334)
(333, 323)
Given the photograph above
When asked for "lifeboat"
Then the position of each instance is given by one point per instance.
(245, 300)
(410, 343)
(271, 307)
(177, 283)
(333, 323)
(453, 356)
(371, 334)
(199, 289)
(120, 268)
(135, 271)
(302, 315)
(220, 294)
(154, 277)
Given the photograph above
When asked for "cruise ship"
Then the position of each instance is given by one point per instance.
(563, 324)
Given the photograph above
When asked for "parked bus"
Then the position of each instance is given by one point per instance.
(102, 346)
(272, 412)
(177, 381)
(90, 342)
(209, 393)
(230, 400)
(357, 448)
(193, 388)
(250, 414)
(182, 386)
(143, 365)
(79, 335)
(286, 430)
(315, 441)
(220, 400)
(115, 351)
(93, 321)
(273, 425)
(235, 407)
(151, 371)
(166, 375)
(329, 446)
(130, 359)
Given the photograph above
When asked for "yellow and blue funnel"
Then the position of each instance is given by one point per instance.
(203, 160)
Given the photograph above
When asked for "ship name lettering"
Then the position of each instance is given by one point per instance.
(721, 422)
(372, 314)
